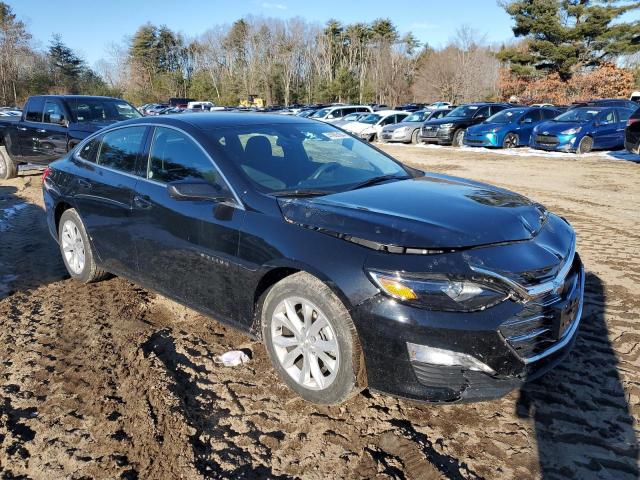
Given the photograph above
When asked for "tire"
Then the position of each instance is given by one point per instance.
(288, 351)
(8, 168)
(511, 140)
(414, 137)
(458, 137)
(373, 138)
(76, 251)
(585, 145)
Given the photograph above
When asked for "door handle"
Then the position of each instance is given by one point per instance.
(141, 201)
(84, 183)
(22, 129)
(41, 130)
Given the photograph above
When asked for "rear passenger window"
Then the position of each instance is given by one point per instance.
(120, 148)
(34, 108)
(174, 157)
(89, 150)
(623, 115)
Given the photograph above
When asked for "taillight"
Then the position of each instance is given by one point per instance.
(47, 171)
(631, 121)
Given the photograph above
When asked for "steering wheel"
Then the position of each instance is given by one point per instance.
(327, 167)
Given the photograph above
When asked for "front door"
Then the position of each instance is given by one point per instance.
(187, 249)
(105, 183)
(30, 130)
(52, 139)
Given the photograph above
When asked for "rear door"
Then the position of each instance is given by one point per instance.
(30, 130)
(605, 132)
(186, 249)
(526, 124)
(623, 115)
(104, 186)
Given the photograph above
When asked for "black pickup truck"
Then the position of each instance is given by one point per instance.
(51, 125)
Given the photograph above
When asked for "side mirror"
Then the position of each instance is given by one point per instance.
(57, 119)
(198, 191)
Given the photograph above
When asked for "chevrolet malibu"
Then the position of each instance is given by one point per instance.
(353, 269)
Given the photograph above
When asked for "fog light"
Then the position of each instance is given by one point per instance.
(440, 356)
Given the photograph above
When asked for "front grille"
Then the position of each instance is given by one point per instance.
(547, 319)
(547, 140)
(430, 131)
(386, 135)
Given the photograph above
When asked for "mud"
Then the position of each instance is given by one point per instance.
(113, 381)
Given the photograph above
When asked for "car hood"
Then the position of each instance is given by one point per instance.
(90, 126)
(429, 212)
(554, 128)
(358, 127)
(486, 128)
(447, 119)
(395, 126)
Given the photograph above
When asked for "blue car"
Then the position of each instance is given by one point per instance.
(508, 128)
(582, 129)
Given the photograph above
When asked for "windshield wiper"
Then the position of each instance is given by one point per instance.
(300, 192)
(375, 180)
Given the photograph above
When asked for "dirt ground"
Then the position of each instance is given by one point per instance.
(112, 381)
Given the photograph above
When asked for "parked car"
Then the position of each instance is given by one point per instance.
(180, 102)
(306, 113)
(321, 246)
(155, 109)
(439, 106)
(450, 129)
(509, 128)
(352, 117)
(411, 107)
(369, 127)
(51, 125)
(635, 97)
(582, 129)
(407, 130)
(606, 102)
(632, 133)
(332, 114)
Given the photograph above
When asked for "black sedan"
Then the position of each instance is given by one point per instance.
(352, 268)
(632, 133)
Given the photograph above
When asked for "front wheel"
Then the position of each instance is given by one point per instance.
(585, 145)
(311, 340)
(458, 137)
(8, 168)
(511, 140)
(414, 137)
(76, 250)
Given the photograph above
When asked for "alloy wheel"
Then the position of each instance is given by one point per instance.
(73, 247)
(305, 343)
(3, 168)
(510, 141)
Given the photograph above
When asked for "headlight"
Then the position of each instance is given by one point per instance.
(494, 130)
(446, 125)
(571, 131)
(438, 292)
(400, 131)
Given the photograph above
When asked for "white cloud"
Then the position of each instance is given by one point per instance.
(424, 26)
(273, 6)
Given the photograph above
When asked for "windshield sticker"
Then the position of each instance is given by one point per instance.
(592, 112)
(472, 107)
(335, 135)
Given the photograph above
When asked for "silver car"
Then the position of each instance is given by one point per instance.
(408, 130)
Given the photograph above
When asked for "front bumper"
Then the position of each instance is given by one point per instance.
(482, 139)
(554, 143)
(441, 136)
(517, 341)
(391, 136)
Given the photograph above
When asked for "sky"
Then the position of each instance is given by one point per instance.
(89, 26)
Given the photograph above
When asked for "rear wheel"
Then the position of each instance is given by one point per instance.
(311, 340)
(458, 137)
(511, 140)
(76, 250)
(585, 145)
(8, 168)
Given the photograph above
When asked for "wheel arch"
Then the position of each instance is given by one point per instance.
(280, 271)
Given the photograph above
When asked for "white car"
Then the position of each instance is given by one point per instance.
(370, 126)
(335, 113)
(438, 106)
(635, 97)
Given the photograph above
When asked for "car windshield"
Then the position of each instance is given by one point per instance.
(579, 115)
(323, 112)
(370, 119)
(464, 111)
(506, 116)
(101, 110)
(352, 117)
(416, 117)
(299, 158)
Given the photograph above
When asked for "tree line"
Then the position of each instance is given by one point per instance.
(564, 49)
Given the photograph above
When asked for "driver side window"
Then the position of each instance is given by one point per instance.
(608, 118)
(174, 157)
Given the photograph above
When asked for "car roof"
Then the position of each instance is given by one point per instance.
(390, 112)
(213, 120)
(80, 97)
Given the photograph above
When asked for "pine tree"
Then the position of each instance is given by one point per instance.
(562, 36)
